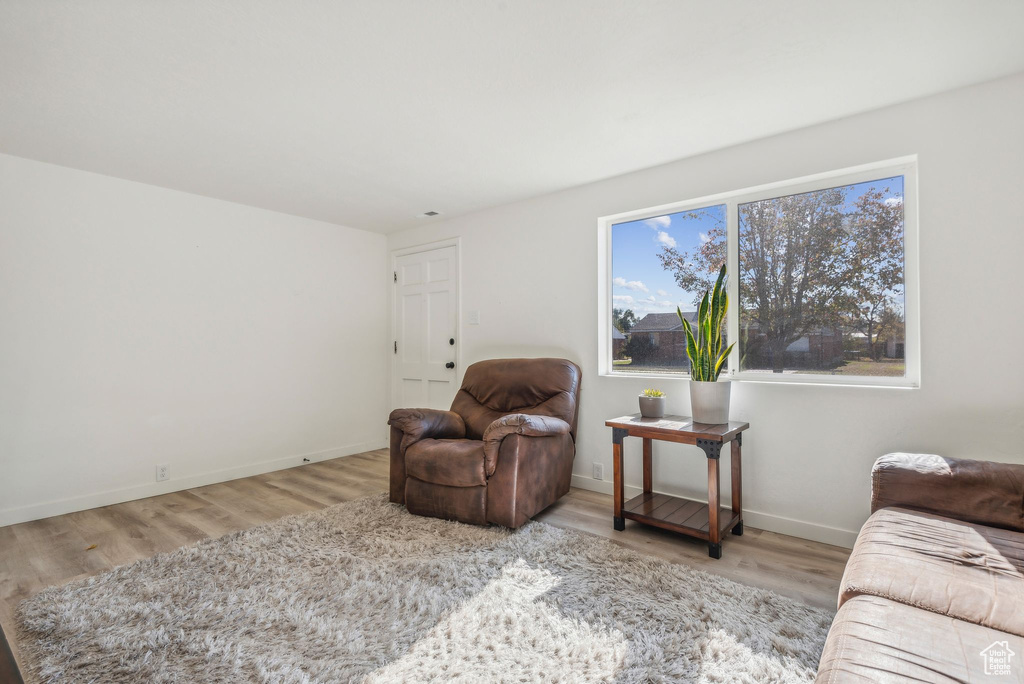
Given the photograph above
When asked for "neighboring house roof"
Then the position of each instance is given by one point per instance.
(857, 334)
(617, 334)
(752, 327)
(668, 322)
(663, 322)
(801, 345)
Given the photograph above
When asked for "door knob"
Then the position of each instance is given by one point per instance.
(450, 364)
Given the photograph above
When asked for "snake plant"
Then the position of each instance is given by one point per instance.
(705, 347)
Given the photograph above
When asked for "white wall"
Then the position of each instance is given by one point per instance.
(531, 270)
(141, 326)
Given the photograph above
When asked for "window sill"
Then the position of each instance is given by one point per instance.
(803, 380)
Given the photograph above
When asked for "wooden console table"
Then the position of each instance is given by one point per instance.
(705, 521)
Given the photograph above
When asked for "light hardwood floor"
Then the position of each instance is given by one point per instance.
(38, 554)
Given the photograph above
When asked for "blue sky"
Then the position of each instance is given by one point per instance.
(638, 280)
(894, 184)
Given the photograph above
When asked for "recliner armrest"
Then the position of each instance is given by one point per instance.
(982, 492)
(417, 424)
(518, 424)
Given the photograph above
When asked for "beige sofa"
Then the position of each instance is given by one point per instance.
(934, 588)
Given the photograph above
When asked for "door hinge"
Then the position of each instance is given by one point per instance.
(396, 276)
(396, 346)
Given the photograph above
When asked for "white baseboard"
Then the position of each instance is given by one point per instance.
(12, 516)
(762, 521)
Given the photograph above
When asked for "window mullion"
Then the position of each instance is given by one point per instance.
(733, 284)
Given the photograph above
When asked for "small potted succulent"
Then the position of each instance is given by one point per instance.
(709, 397)
(652, 403)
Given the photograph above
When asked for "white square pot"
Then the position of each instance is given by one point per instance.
(709, 401)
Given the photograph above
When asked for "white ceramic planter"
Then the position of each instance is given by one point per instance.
(652, 407)
(709, 401)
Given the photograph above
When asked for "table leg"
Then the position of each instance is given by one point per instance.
(737, 484)
(648, 476)
(714, 535)
(618, 521)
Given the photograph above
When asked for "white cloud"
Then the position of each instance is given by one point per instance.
(893, 201)
(635, 285)
(704, 237)
(645, 306)
(649, 299)
(656, 224)
(662, 293)
(687, 306)
(622, 299)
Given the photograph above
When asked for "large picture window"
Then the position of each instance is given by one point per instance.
(647, 292)
(821, 279)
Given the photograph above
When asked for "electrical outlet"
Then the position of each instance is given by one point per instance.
(163, 472)
(598, 471)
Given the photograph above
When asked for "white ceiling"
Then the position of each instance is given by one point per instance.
(369, 112)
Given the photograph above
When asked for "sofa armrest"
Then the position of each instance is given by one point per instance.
(518, 424)
(981, 492)
(417, 424)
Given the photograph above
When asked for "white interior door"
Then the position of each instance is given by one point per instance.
(426, 319)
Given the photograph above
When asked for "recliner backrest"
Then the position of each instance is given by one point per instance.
(540, 387)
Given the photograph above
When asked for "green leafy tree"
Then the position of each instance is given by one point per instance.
(695, 271)
(806, 261)
(640, 348)
(623, 320)
(888, 324)
(877, 281)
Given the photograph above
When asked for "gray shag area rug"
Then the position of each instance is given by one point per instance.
(364, 591)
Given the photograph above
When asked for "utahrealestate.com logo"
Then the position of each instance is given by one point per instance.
(997, 658)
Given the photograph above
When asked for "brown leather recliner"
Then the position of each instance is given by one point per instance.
(502, 454)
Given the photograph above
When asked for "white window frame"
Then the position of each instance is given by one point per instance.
(902, 166)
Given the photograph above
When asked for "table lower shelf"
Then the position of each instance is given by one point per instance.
(679, 515)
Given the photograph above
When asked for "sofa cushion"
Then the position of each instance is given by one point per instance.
(964, 570)
(876, 640)
(452, 462)
(983, 492)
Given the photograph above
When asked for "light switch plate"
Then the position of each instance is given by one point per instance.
(473, 317)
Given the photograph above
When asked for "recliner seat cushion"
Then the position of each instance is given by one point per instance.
(466, 504)
(451, 462)
(874, 641)
(965, 570)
